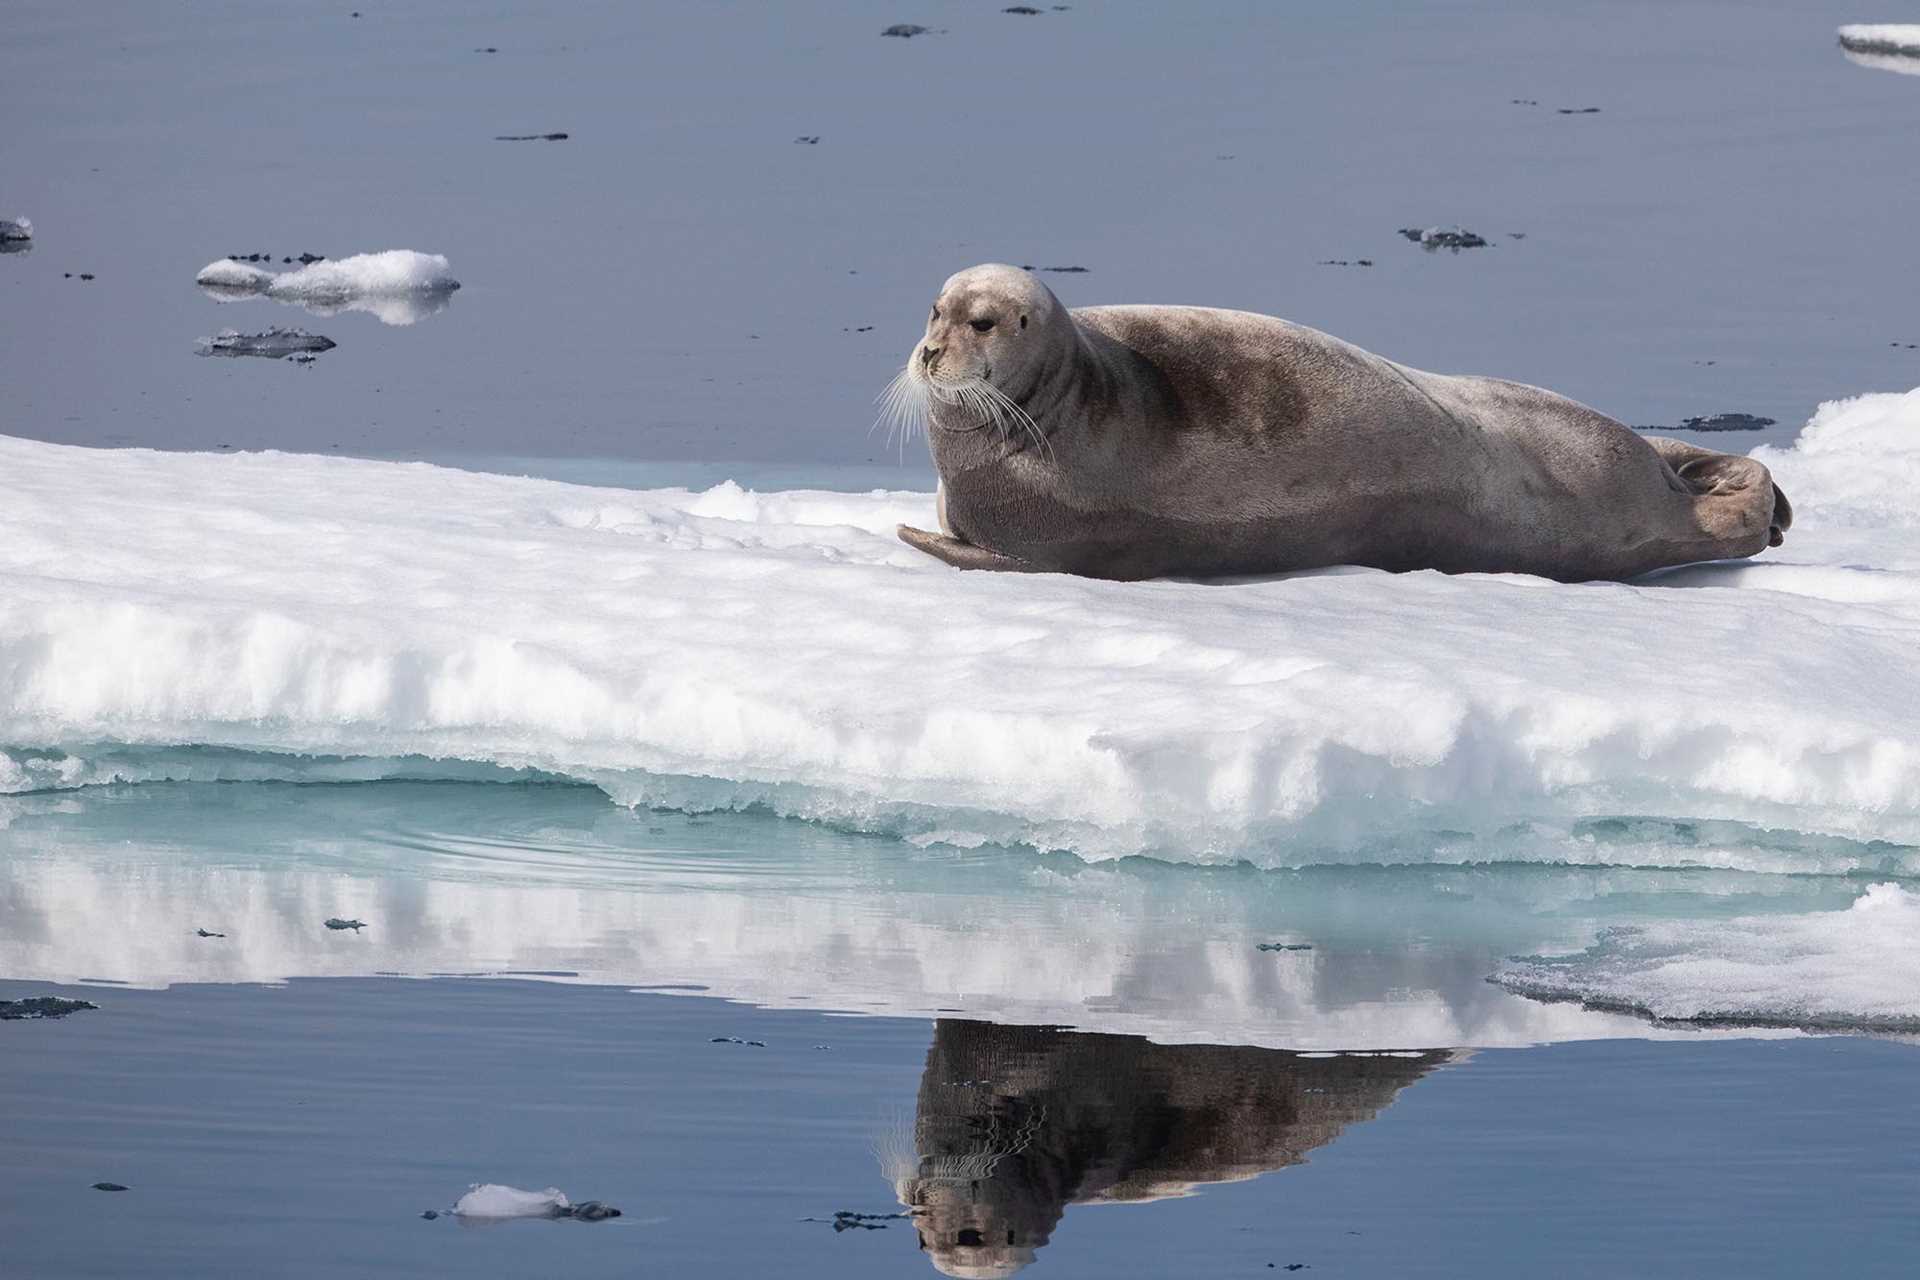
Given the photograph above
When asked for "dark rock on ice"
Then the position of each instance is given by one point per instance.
(1065, 271)
(906, 30)
(1578, 111)
(587, 1211)
(1022, 8)
(810, 139)
(1870, 40)
(335, 922)
(108, 1186)
(202, 933)
(1454, 238)
(430, 1214)
(529, 137)
(1726, 422)
(41, 1007)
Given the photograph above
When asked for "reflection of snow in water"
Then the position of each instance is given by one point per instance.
(556, 883)
(1884, 46)
(399, 286)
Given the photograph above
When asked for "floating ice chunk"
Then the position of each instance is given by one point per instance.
(1854, 969)
(338, 279)
(273, 343)
(399, 286)
(15, 229)
(492, 1200)
(239, 276)
(1885, 46)
(1882, 37)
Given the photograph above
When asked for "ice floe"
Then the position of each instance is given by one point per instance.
(398, 286)
(725, 648)
(1854, 969)
(1884, 46)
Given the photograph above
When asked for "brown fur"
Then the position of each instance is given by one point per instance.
(1196, 442)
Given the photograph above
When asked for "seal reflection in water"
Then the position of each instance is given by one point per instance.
(1016, 1123)
(1138, 442)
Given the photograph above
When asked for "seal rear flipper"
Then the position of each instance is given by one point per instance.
(961, 555)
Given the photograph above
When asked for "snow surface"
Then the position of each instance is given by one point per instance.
(728, 648)
(1857, 968)
(493, 1200)
(398, 286)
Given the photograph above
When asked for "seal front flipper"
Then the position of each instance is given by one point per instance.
(961, 555)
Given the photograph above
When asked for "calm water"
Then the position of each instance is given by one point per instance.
(682, 281)
(301, 1131)
(680, 293)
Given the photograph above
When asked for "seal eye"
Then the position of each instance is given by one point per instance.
(936, 313)
(1023, 322)
(981, 326)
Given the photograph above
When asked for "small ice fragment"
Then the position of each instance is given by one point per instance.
(228, 274)
(16, 229)
(1881, 37)
(492, 1200)
(273, 343)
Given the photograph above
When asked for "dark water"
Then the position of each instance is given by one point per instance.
(300, 1131)
(682, 281)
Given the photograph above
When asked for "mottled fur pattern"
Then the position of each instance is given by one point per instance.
(1145, 442)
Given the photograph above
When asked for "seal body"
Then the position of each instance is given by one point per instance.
(1139, 441)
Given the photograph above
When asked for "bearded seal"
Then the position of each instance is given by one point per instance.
(1131, 442)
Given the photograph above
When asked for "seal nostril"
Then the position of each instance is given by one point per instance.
(970, 1238)
(928, 355)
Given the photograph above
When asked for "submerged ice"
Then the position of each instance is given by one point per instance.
(728, 648)
(1856, 968)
